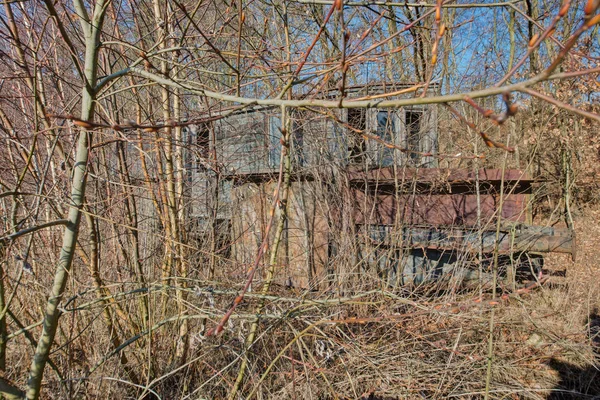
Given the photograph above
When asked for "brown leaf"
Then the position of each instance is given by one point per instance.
(83, 124)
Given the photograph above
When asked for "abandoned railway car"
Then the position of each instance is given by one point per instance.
(359, 207)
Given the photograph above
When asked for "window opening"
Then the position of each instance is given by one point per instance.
(385, 131)
(357, 119)
(298, 143)
(202, 146)
(413, 133)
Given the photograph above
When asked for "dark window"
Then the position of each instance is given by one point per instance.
(298, 143)
(203, 140)
(199, 145)
(357, 119)
(413, 133)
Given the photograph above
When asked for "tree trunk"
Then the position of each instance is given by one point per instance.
(92, 29)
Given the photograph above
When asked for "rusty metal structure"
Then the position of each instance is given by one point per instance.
(359, 207)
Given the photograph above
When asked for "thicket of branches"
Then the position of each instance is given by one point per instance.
(107, 289)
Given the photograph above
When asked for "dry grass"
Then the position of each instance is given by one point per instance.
(367, 344)
(436, 347)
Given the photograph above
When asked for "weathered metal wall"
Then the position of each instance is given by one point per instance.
(384, 219)
(391, 196)
(302, 255)
(243, 142)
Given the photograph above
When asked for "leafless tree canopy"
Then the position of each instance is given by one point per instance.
(247, 199)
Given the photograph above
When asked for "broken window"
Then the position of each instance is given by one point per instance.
(413, 120)
(199, 141)
(385, 131)
(357, 119)
(203, 140)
